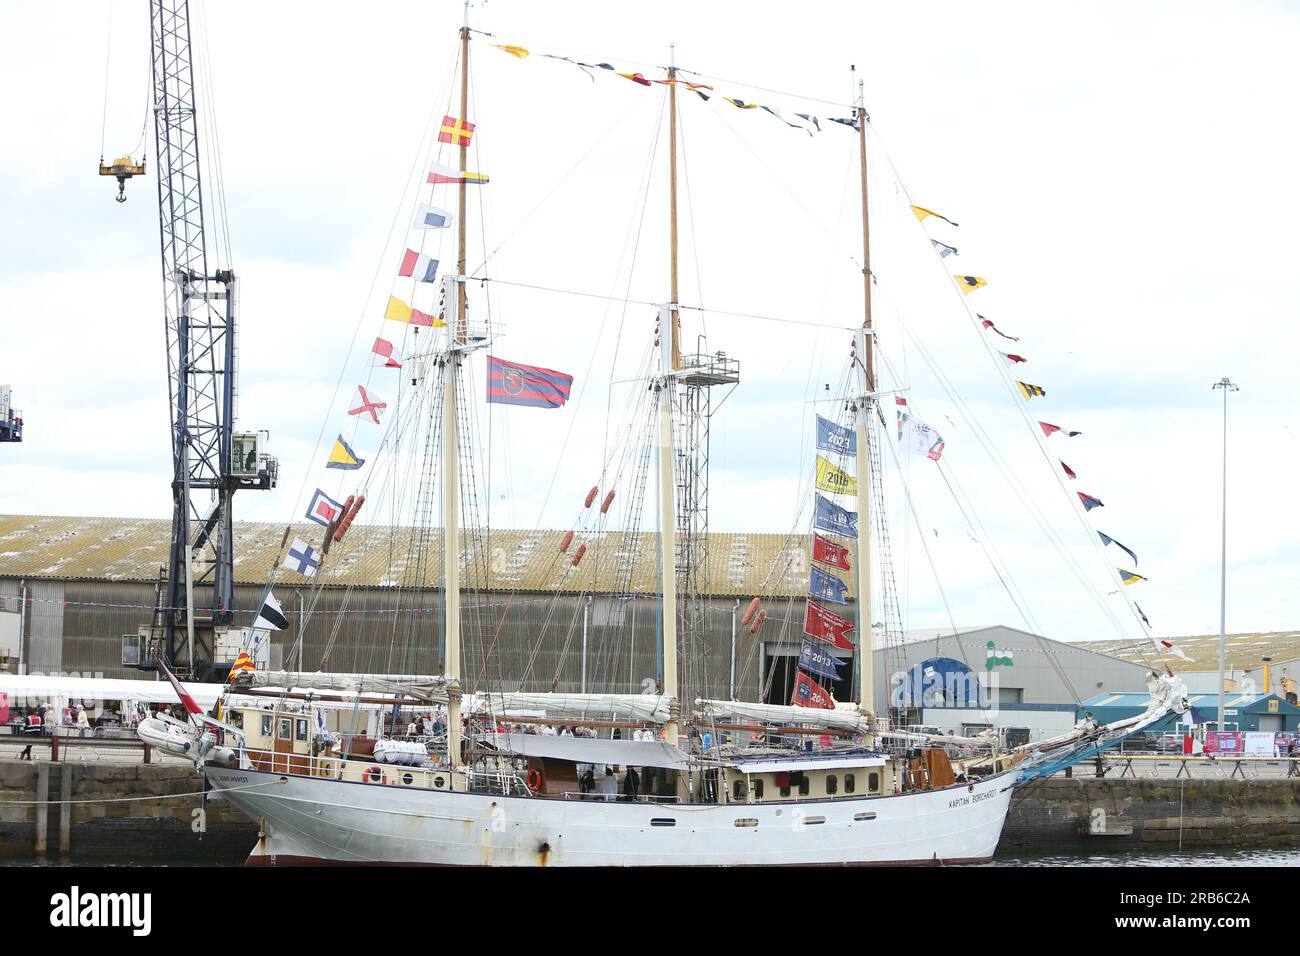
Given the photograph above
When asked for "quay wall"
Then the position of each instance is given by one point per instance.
(1058, 813)
(117, 811)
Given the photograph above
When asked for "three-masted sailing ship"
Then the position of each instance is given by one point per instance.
(490, 795)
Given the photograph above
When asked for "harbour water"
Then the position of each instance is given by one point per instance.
(1208, 856)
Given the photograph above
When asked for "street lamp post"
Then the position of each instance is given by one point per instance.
(1227, 386)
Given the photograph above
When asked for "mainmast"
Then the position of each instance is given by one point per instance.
(669, 362)
(456, 338)
(864, 351)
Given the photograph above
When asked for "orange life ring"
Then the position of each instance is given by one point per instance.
(374, 775)
(536, 781)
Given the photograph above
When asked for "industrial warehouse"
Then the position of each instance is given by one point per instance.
(90, 585)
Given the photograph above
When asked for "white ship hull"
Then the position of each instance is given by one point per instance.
(315, 820)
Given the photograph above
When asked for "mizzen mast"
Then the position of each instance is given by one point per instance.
(865, 356)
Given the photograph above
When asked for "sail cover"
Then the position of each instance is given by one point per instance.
(634, 753)
(842, 718)
(648, 708)
(423, 687)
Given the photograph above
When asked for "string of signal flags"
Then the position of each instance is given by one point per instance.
(810, 123)
(508, 382)
(1029, 391)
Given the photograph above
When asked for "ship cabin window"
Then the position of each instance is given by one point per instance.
(873, 782)
(850, 783)
(832, 784)
(758, 788)
(300, 729)
(801, 779)
(286, 729)
(783, 783)
(266, 725)
(738, 791)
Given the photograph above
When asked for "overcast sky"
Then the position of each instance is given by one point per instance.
(1123, 176)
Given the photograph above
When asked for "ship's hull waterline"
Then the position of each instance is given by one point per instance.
(308, 820)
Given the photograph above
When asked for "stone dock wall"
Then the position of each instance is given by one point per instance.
(143, 812)
(1057, 814)
(117, 811)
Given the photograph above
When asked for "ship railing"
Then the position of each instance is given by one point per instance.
(614, 798)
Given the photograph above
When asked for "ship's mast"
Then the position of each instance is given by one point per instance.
(669, 362)
(864, 341)
(456, 338)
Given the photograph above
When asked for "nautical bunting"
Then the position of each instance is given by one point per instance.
(1049, 430)
(1107, 539)
(809, 693)
(382, 351)
(343, 458)
(1089, 502)
(921, 212)
(1171, 647)
(827, 587)
(1067, 469)
(303, 558)
(271, 616)
(826, 626)
(1142, 615)
(851, 121)
(509, 383)
(399, 311)
(825, 551)
(814, 659)
(515, 51)
(837, 439)
(828, 516)
(916, 436)
(989, 325)
(741, 104)
(969, 284)
(1129, 577)
(431, 217)
(943, 249)
(445, 174)
(243, 665)
(458, 132)
(323, 509)
(787, 120)
(1012, 359)
(635, 78)
(418, 266)
(367, 405)
(833, 479)
(1029, 391)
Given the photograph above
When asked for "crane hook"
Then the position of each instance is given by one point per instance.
(121, 189)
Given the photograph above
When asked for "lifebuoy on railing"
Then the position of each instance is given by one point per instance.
(374, 775)
(536, 781)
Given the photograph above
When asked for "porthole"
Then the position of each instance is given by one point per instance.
(747, 821)
(859, 817)
(663, 822)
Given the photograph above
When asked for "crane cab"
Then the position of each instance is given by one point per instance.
(123, 168)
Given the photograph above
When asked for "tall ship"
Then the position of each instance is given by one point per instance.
(653, 775)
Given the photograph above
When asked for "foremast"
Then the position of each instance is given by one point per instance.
(864, 340)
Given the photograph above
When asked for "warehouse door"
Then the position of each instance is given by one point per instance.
(1272, 723)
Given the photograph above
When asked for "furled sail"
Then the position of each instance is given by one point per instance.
(631, 753)
(843, 717)
(649, 708)
(428, 688)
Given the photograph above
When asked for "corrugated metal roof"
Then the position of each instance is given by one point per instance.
(1245, 650)
(127, 549)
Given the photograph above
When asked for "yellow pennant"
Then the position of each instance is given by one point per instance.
(512, 49)
(921, 212)
(835, 479)
(969, 284)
